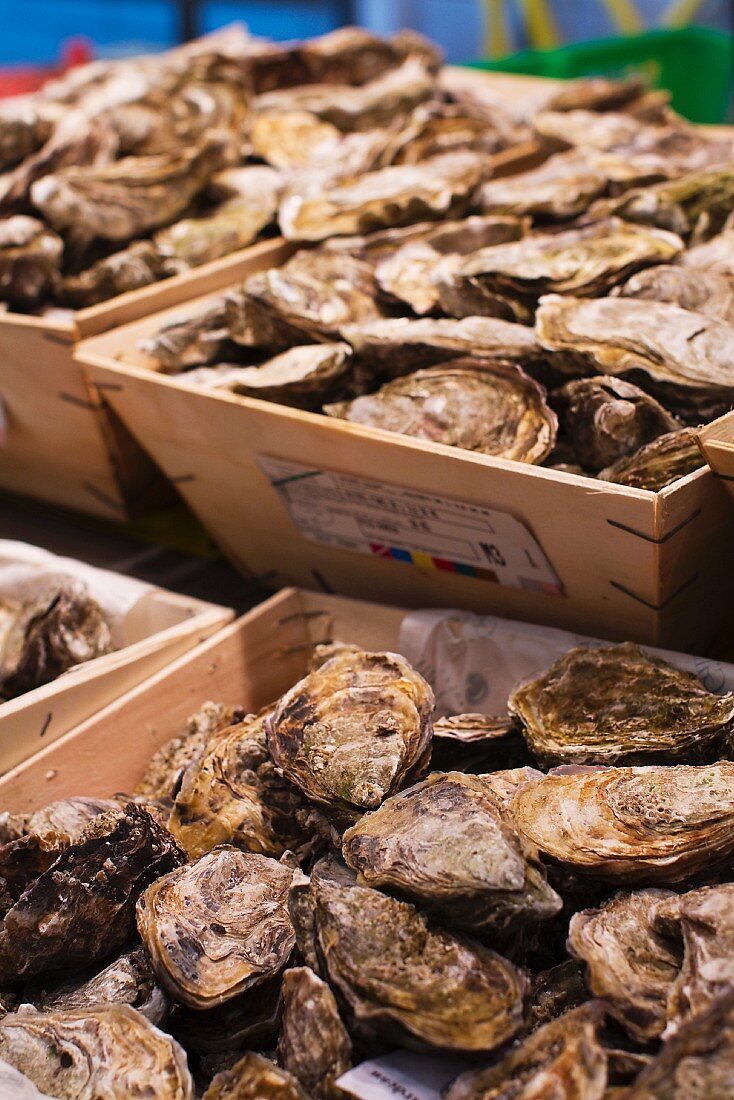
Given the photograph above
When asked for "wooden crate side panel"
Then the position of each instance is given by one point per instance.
(207, 445)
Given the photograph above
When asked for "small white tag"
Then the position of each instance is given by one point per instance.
(420, 529)
(402, 1075)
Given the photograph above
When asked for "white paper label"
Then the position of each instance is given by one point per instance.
(427, 531)
(401, 1076)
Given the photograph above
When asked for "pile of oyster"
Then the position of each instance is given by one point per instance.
(578, 314)
(546, 895)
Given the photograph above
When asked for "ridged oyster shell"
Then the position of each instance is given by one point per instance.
(30, 261)
(254, 1078)
(694, 288)
(314, 1045)
(659, 463)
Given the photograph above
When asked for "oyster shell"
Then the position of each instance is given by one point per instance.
(587, 260)
(139, 265)
(82, 908)
(556, 991)
(400, 979)
(716, 254)
(440, 187)
(596, 93)
(30, 261)
(636, 825)
(234, 223)
(491, 408)
(445, 845)
(606, 419)
(303, 377)
(119, 201)
(630, 964)
(353, 55)
(16, 1086)
(684, 359)
(616, 704)
(128, 979)
(315, 293)
(314, 1045)
(560, 188)
(254, 1078)
(694, 288)
(563, 1059)
(60, 627)
(249, 1020)
(658, 464)
(288, 138)
(704, 920)
(163, 774)
(354, 731)
(414, 271)
(90, 1054)
(476, 743)
(696, 1063)
(398, 346)
(24, 128)
(696, 204)
(215, 928)
(233, 794)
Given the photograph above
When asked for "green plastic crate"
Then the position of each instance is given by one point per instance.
(694, 63)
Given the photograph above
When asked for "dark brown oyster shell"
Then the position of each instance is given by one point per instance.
(489, 407)
(477, 743)
(658, 464)
(233, 794)
(82, 908)
(95, 1052)
(560, 188)
(128, 979)
(607, 419)
(630, 964)
(217, 927)
(254, 1078)
(354, 731)
(615, 703)
(61, 627)
(139, 265)
(445, 845)
(635, 825)
(556, 991)
(696, 203)
(24, 128)
(563, 1059)
(248, 1020)
(401, 979)
(30, 261)
(694, 288)
(314, 1045)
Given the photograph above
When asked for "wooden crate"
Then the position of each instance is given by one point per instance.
(716, 440)
(160, 628)
(652, 567)
(58, 442)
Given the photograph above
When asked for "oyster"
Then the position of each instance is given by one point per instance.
(353, 55)
(596, 93)
(232, 794)
(249, 1020)
(684, 359)
(606, 419)
(637, 825)
(440, 187)
(30, 261)
(316, 293)
(491, 408)
(128, 979)
(95, 1053)
(368, 106)
(400, 979)
(560, 188)
(139, 265)
(445, 845)
(704, 920)
(234, 223)
(303, 377)
(563, 1059)
(694, 288)
(696, 1063)
(696, 204)
(398, 346)
(658, 464)
(16, 1086)
(60, 627)
(716, 254)
(163, 774)
(556, 991)
(587, 260)
(289, 138)
(354, 731)
(82, 908)
(476, 743)
(614, 704)
(314, 1044)
(119, 201)
(215, 928)
(630, 965)
(254, 1078)
(24, 128)
(414, 271)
